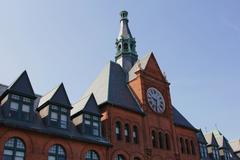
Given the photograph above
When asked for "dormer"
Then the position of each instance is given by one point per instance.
(18, 99)
(55, 108)
(86, 116)
(213, 146)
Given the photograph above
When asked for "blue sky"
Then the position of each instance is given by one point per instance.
(197, 43)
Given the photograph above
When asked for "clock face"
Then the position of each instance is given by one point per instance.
(155, 100)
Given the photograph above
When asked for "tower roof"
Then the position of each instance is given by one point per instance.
(124, 32)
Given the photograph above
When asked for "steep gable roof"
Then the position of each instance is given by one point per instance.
(111, 87)
(211, 140)
(235, 145)
(87, 105)
(180, 120)
(22, 86)
(56, 96)
(201, 137)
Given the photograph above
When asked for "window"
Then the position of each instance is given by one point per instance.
(25, 112)
(136, 158)
(91, 155)
(187, 146)
(154, 142)
(135, 134)
(56, 152)
(168, 144)
(20, 107)
(91, 125)
(14, 149)
(161, 140)
(126, 133)
(120, 157)
(16, 97)
(58, 117)
(182, 145)
(192, 147)
(118, 130)
(125, 46)
(13, 109)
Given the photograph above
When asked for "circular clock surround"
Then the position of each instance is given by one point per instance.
(155, 100)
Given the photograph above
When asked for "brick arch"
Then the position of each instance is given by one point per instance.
(96, 149)
(65, 145)
(124, 153)
(136, 154)
(27, 140)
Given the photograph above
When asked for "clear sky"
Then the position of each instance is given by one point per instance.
(197, 43)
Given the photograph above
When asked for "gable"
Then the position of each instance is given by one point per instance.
(153, 68)
(58, 96)
(22, 86)
(87, 105)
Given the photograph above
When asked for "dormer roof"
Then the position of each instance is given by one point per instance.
(86, 105)
(57, 96)
(211, 140)
(21, 86)
(201, 138)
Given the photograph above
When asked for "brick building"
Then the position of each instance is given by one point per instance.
(126, 114)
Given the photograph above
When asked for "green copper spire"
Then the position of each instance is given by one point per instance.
(126, 54)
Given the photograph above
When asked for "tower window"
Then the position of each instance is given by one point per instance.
(125, 46)
(182, 145)
(168, 144)
(118, 130)
(126, 133)
(119, 47)
(192, 147)
(187, 146)
(161, 140)
(154, 142)
(135, 134)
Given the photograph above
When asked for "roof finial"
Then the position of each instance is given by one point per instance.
(124, 15)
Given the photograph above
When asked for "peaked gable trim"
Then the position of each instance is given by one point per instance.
(21, 86)
(57, 96)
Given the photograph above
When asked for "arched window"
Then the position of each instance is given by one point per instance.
(135, 134)
(91, 155)
(192, 147)
(136, 158)
(187, 146)
(168, 144)
(182, 145)
(125, 46)
(56, 152)
(120, 157)
(14, 148)
(126, 133)
(154, 142)
(161, 140)
(118, 130)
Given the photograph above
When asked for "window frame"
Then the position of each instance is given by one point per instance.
(19, 114)
(56, 155)
(57, 122)
(14, 148)
(89, 128)
(92, 152)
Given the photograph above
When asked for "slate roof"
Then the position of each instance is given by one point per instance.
(22, 86)
(235, 145)
(111, 87)
(201, 138)
(142, 63)
(87, 105)
(56, 96)
(211, 140)
(180, 120)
